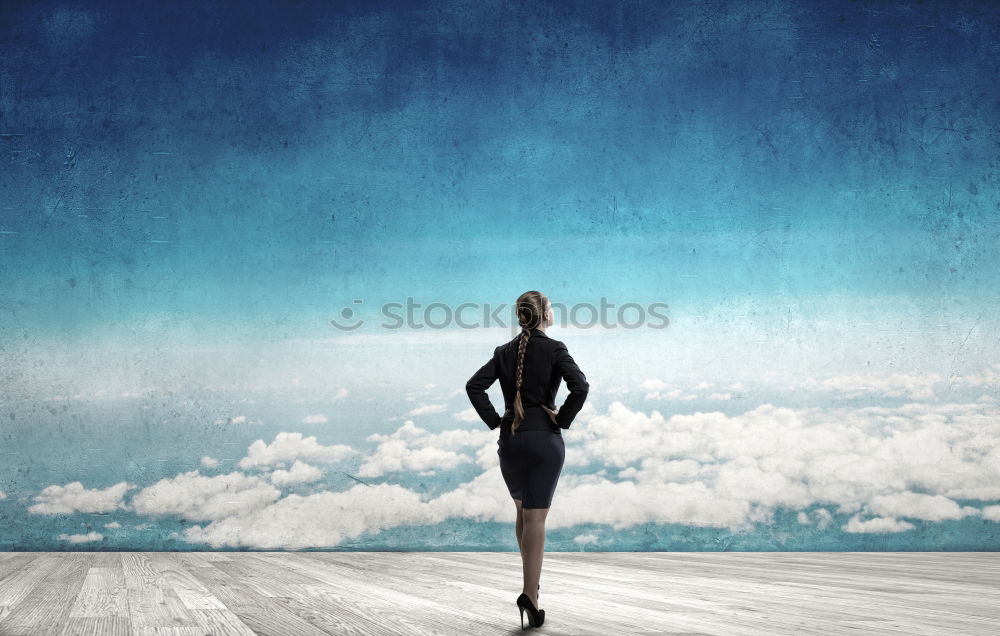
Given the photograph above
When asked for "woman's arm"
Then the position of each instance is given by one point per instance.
(576, 382)
(476, 387)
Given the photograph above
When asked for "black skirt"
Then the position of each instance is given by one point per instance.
(531, 462)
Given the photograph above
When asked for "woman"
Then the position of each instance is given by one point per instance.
(531, 448)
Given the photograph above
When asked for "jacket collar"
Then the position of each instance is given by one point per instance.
(536, 333)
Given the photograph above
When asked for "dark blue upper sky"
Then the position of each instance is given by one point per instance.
(271, 161)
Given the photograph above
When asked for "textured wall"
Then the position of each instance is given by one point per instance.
(191, 194)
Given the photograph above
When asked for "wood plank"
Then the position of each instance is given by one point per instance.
(221, 622)
(13, 562)
(152, 602)
(103, 594)
(345, 604)
(94, 626)
(191, 592)
(20, 578)
(826, 605)
(633, 603)
(451, 593)
(46, 608)
(137, 564)
(385, 588)
(257, 611)
(106, 559)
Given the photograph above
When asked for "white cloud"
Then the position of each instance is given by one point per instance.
(209, 462)
(73, 497)
(612, 391)
(287, 447)
(704, 468)
(714, 469)
(913, 386)
(197, 497)
(319, 418)
(3, 495)
(482, 499)
(300, 473)
(652, 385)
(81, 538)
(427, 409)
(747, 481)
(317, 520)
(585, 539)
(679, 395)
(988, 378)
(919, 506)
(328, 518)
(408, 430)
(113, 525)
(772, 455)
(878, 525)
(821, 517)
(626, 503)
(396, 455)
(414, 449)
(658, 390)
(468, 415)
(719, 396)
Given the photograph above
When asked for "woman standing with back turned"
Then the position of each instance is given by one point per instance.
(531, 448)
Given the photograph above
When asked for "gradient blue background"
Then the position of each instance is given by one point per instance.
(190, 192)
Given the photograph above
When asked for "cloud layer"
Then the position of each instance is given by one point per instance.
(878, 469)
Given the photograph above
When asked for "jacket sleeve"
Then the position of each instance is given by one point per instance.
(476, 390)
(576, 382)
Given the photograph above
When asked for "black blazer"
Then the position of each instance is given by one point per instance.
(546, 363)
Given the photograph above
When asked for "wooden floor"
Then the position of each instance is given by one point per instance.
(473, 593)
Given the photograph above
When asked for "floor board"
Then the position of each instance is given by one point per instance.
(461, 593)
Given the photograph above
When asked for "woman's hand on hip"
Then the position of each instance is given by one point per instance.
(552, 414)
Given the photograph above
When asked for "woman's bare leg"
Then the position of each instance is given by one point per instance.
(533, 547)
(519, 527)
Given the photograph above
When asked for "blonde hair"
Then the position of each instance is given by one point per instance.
(530, 314)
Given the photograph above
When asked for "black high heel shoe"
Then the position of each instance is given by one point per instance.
(535, 616)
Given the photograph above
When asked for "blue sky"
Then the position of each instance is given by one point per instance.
(679, 152)
(187, 202)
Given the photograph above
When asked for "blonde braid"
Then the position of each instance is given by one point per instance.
(530, 314)
(518, 408)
